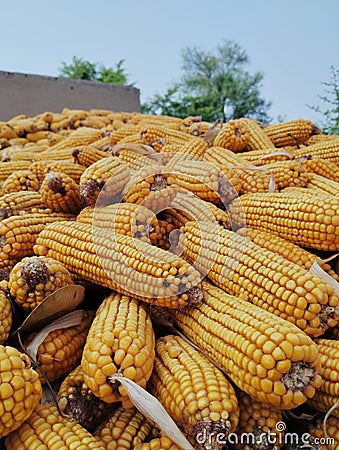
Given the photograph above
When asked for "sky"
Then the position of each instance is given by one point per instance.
(292, 42)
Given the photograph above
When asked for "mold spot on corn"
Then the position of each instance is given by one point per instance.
(34, 272)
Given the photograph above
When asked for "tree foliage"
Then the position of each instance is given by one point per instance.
(330, 120)
(80, 69)
(214, 85)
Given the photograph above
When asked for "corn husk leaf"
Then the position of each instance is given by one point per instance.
(55, 305)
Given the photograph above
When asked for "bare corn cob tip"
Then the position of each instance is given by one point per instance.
(20, 389)
(77, 401)
(33, 278)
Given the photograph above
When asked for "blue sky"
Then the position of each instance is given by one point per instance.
(293, 42)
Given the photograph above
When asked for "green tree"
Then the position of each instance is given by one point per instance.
(214, 85)
(330, 119)
(80, 69)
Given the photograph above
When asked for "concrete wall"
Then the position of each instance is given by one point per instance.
(33, 94)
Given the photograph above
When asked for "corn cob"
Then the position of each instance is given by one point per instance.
(186, 208)
(257, 138)
(322, 167)
(18, 142)
(18, 235)
(299, 216)
(329, 186)
(41, 168)
(61, 193)
(7, 132)
(24, 125)
(250, 180)
(287, 249)
(260, 352)
(316, 138)
(265, 156)
(86, 155)
(6, 318)
(205, 180)
(160, 443)
(123, 218)
(122, 132)
(257, 421)
(81, 136)
(20, 389)
(121, 338)
(15, 203)
(195, 393)
(150, 187)
(327, 149)
(121, 263)
(291, 132)
(47, 429)
(288, 173)
(20, 154)
(7, 168)
(61, 350)
(180, 218)
(318, 440)
(107, 178)
(136, 155)
(327, 394)
(20, 180)
(77, 401)
(35, 277)
(150, 132)
(197, 128)
(233, 135)
(37, 136)
(161, 235)
(191, 150)
(266, 279)
(125, 429)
